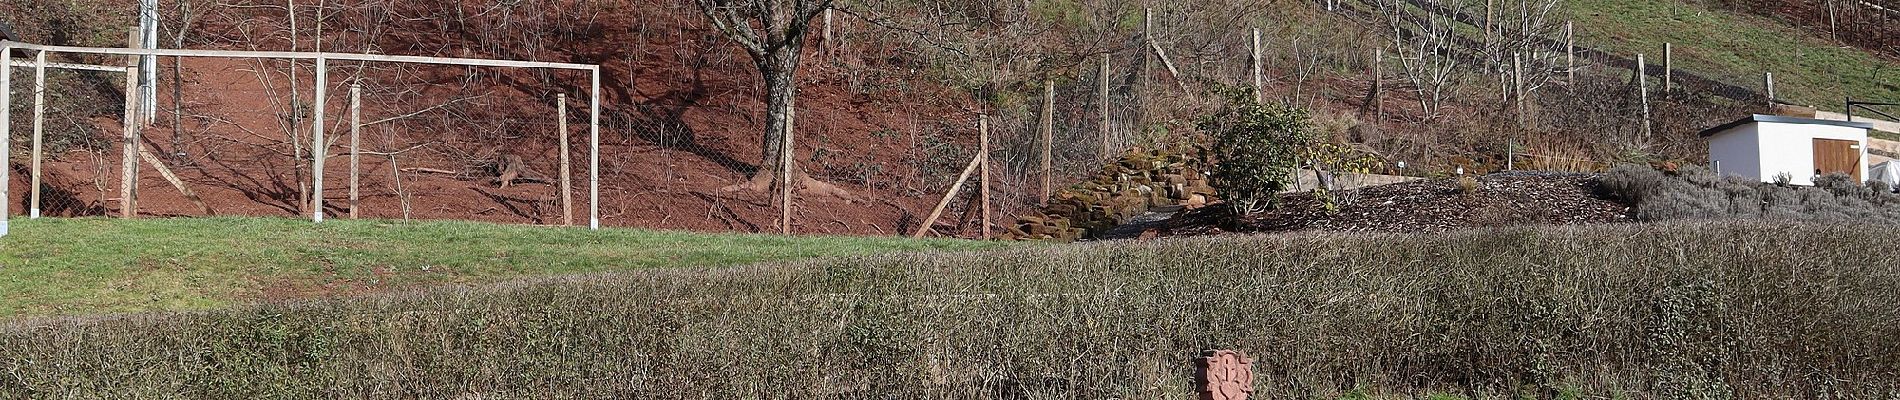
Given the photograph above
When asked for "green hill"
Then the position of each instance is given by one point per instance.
(1738, 49)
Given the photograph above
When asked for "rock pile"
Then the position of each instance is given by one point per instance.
(1127, 188)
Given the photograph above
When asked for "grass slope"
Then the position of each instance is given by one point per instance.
(1704, 310)
(1738, 48)
(79, 266)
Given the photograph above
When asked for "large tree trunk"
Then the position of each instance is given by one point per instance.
(779, 89)
(775, 45)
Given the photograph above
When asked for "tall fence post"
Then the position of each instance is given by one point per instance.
(39, 130)
(824, 42)
(1259, 75)
(1642, 87)
(6, 133)
(1570, 54)
(319, 147)
(356, 146)
(129, 163)
(1517, 87)
(593, 171)
(786, 165)
(567, 169)
(1048, 139)
(1378, 82)
(1669, 67)
(983, 135)
(1768, 83)
(1107, 147)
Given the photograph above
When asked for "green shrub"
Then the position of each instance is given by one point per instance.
(1254, 148)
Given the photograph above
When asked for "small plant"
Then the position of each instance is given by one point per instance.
(1330, 161)
(1784, 179)
(1467, 185)
(1255, 148)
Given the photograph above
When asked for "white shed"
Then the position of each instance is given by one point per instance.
(1762, 146)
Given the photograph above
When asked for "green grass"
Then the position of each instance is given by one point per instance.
(81, 266)
(1737, 49)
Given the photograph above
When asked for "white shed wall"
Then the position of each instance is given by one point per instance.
(1789, 148)
(1735, 152)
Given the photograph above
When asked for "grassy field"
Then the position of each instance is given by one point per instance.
(1737, 49)
(1698, 310)
(85, 266)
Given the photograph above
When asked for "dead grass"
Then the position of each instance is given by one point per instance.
(1698, 310)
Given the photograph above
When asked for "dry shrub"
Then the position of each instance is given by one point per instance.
(1696, 193)
(1707, 310)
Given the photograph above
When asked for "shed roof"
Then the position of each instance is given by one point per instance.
(1753, 118)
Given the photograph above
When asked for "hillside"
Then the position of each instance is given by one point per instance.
(1700, 310)
(888, 110)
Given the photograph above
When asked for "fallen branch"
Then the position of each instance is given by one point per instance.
(430, 171)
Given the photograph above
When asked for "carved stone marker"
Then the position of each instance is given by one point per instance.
(1223, 375)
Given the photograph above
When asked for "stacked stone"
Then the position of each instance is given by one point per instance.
(1127, 188)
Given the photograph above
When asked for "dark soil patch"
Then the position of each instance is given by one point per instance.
(1438, 205)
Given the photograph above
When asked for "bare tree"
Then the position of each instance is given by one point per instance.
(773, 33)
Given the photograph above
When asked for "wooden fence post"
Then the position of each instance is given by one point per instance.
(1517, 87)
(1107, 145)
(1048, 139)
(39, 130)
(1642, 87)
(786, 165)
(593, 170)
(356, 147)
(1378, 82)
(567, 169)
(1259, 78)
(129, 161)
(825, 41)
(1669, 67)
(983, 134)
(6, 135)
(1570, 54)
(319, 147)
(1768, 82)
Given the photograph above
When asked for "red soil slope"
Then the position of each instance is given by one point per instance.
(681, 120)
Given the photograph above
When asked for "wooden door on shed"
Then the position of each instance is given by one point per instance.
(1832, 155)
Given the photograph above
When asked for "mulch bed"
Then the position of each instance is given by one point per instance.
(1438, 205)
